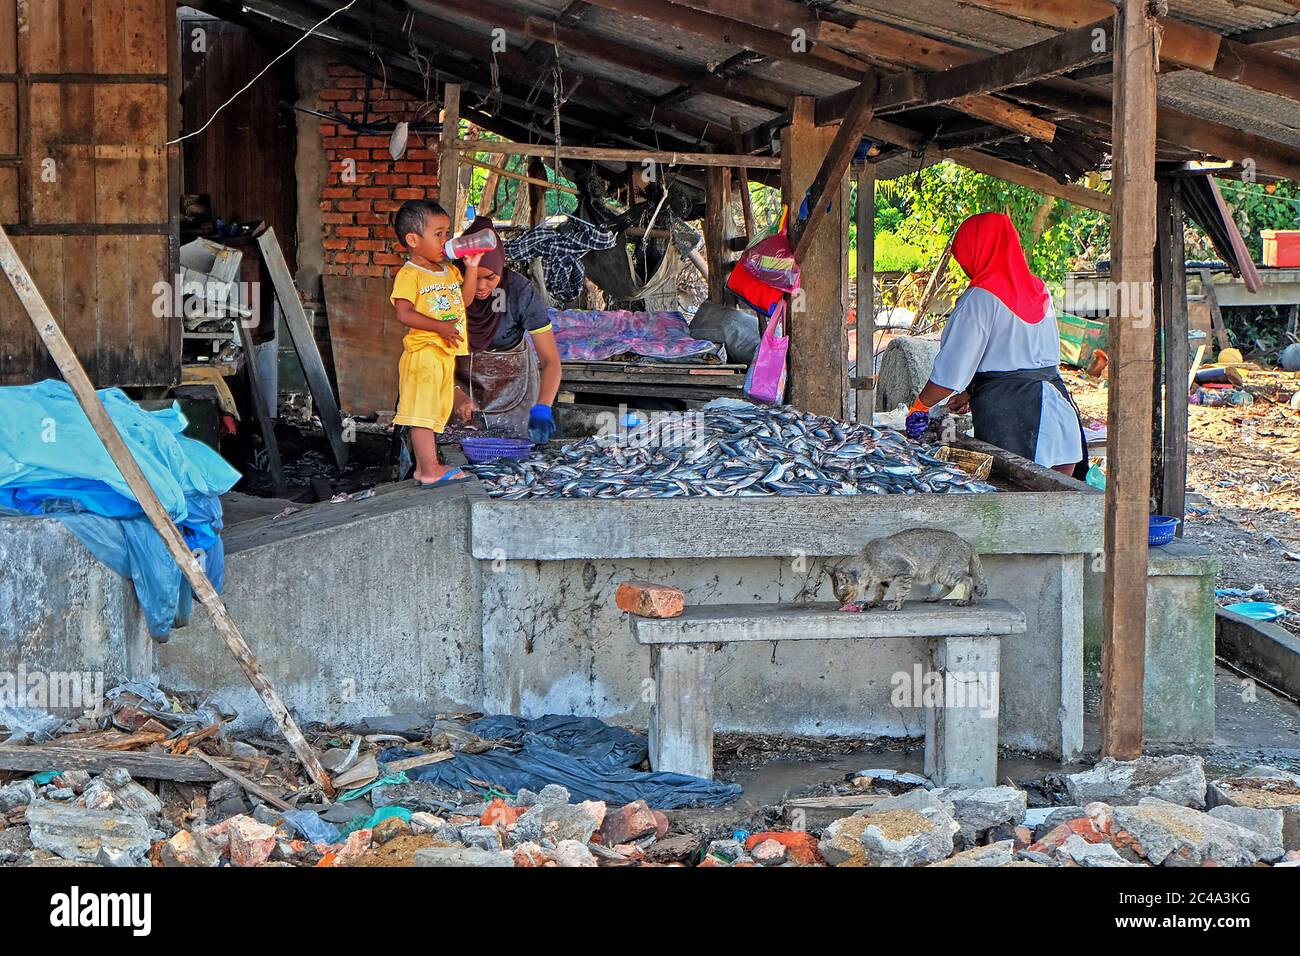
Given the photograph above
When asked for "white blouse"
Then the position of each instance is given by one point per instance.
(983, 335)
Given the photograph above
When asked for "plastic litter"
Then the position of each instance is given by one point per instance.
(30, 723)
(363, 822)
(588, 757)
(1258, 610)
(399, 777)
(88, 494)
(312, 827)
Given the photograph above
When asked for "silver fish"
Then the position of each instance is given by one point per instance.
(733, 449)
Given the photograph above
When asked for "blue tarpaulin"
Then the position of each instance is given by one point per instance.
(53, 464)
(591, 759)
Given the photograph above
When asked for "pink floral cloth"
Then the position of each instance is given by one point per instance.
(590, 335)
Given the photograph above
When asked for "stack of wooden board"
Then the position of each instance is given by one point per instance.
(655, 379)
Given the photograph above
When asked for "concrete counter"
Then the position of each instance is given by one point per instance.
(445, 600)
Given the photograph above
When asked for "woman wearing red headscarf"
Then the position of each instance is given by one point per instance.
(1000, 353)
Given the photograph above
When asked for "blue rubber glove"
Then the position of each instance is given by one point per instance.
(541, 424)
(917, 423)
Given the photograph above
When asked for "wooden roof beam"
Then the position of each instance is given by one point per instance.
(787, 31)
(1183, 129)
(962, 86)
(1279, 39)
(779, 46)
(747, 90)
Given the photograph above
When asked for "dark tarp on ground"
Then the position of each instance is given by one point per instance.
(589, 758)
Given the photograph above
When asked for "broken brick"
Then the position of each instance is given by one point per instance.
(646, 599)
(627, 823)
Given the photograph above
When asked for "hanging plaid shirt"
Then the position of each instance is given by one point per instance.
(561, 251)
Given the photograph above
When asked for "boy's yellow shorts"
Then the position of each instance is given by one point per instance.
(426, 378)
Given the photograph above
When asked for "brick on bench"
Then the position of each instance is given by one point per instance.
(960, 743)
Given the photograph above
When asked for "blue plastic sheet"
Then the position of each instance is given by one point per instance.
(52, 463)
(591, 759)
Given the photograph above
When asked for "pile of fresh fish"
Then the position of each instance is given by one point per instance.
(732, 449)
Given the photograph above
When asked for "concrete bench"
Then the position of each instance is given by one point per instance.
(961, 734)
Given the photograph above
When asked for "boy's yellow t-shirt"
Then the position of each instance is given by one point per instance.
(435, 295)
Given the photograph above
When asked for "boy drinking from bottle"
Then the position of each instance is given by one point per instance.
(429, 294)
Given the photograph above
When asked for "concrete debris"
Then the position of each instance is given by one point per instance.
(573, 853)
(841, 844)
(485, 838)
(114, 789)
(1267, 822)
(189, 849)
(1168, 834)
(1264, 788)
(14, 842)
(1001, 853)
(17, 795)
(1077, 851)
(902, 831)
(985, 808)
(78, 833)
(553, 821)
(461, 856)
(1177, 779)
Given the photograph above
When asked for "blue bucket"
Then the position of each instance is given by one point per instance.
(1161, 530)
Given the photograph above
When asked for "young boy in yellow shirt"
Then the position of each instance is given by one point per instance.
(429, 294)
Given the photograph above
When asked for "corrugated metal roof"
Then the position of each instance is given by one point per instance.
(1231, 104)
(1232, 16)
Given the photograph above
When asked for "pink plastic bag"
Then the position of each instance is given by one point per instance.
(765, 381)
(771, 259)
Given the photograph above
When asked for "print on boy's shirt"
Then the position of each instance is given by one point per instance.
(435, 296)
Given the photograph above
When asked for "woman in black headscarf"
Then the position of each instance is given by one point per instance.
(514, 386)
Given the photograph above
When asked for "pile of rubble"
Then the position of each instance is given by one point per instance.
(1148, 812)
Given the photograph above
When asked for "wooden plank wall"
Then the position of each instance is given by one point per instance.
(87, 188)
(255, 134)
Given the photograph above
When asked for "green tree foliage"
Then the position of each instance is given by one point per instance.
(924, 209)
(1257, 206)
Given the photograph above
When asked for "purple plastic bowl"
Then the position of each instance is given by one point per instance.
(484, 449)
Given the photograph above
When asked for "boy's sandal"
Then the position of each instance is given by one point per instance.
(448, 479)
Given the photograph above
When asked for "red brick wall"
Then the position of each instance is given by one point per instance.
(358, 215)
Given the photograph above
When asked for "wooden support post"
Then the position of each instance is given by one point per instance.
(717, 230)
(264, 421)
(536, 193)
(818, 354)
(1173, 321)
(1128, 480)
(830, 175)
(932, 287)
(1216, 313)
(866, 297)
(448, 154)
(746, 202)
(66, 360)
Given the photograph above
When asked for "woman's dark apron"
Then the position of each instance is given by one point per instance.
(1007, 409)
(503, 385)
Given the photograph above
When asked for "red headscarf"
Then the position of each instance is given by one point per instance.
(987, 247)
